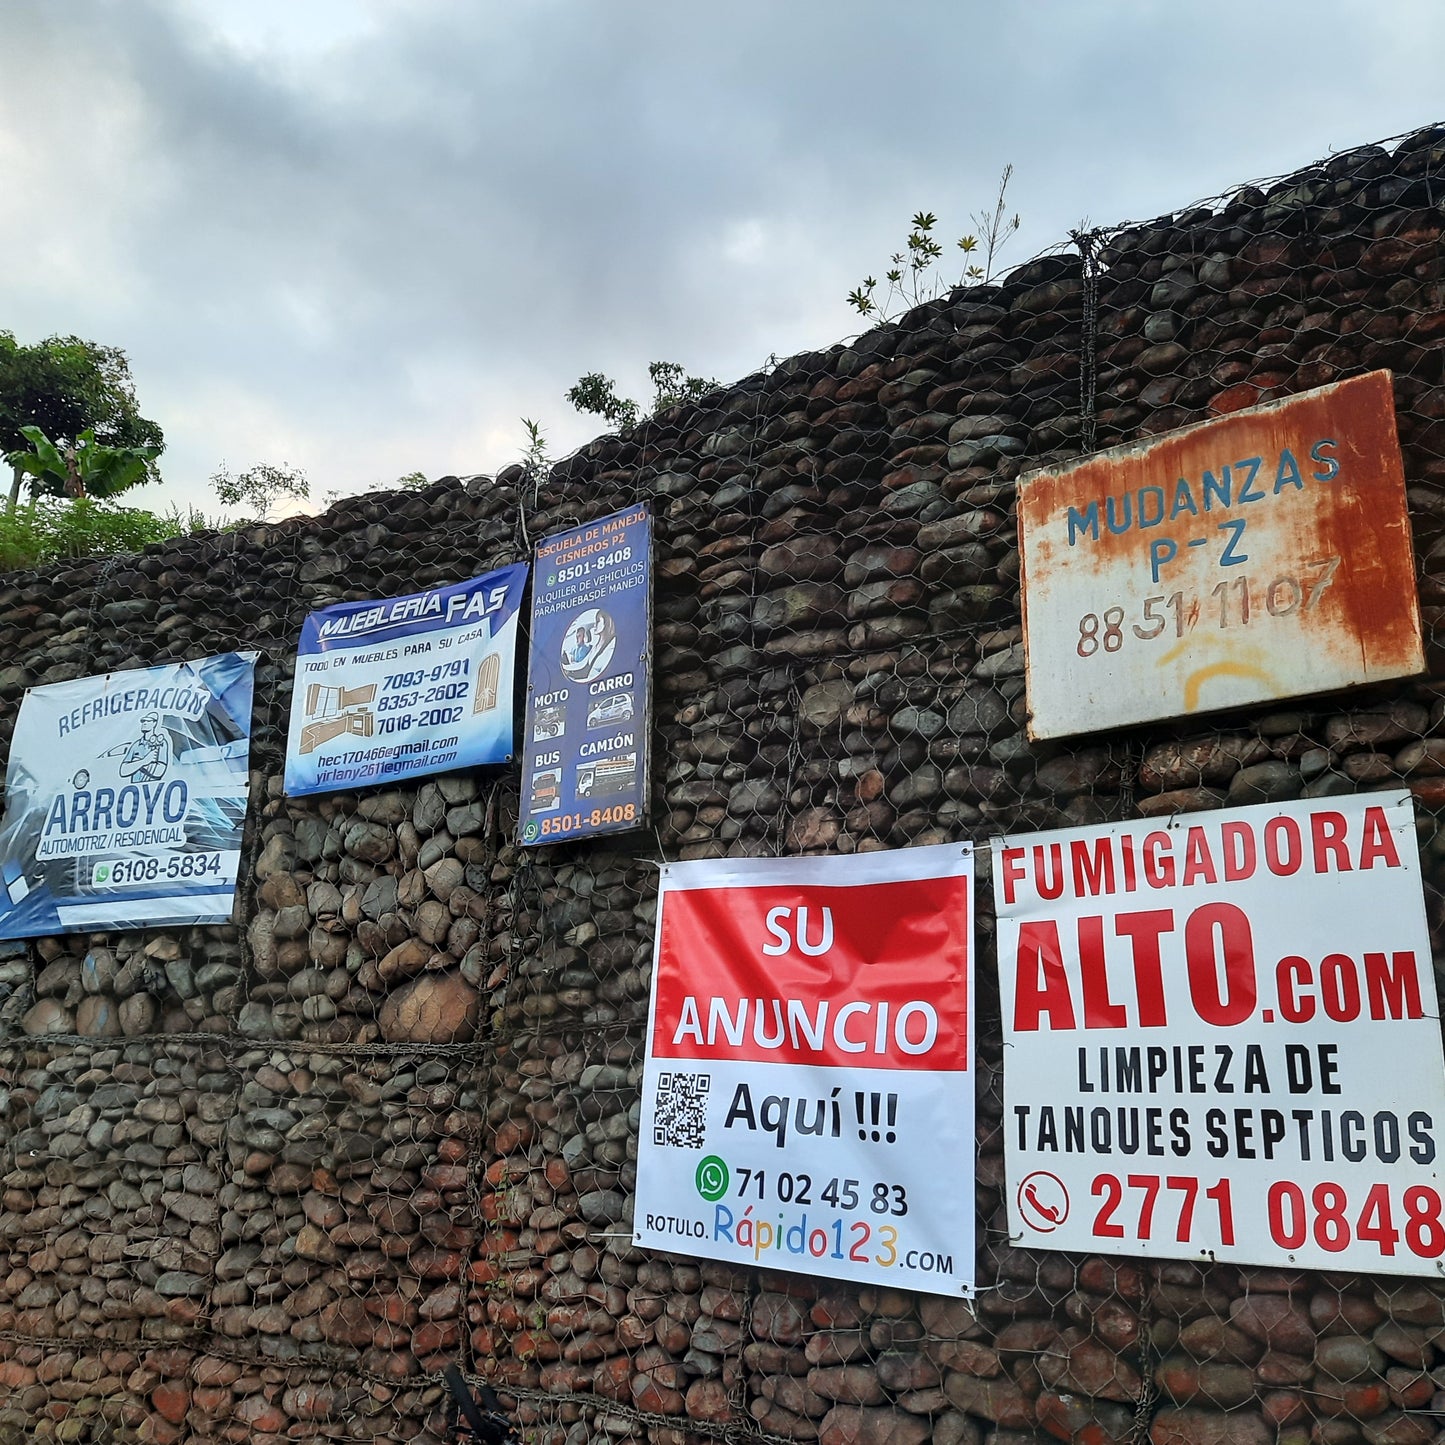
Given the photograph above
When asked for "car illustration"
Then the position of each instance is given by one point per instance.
(607, 710)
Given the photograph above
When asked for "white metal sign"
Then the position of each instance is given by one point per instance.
(807, 1102)
(1222, 1039)
(125, 798)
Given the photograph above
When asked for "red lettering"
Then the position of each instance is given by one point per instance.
(1339, 987)
(1143, 930)
(1290, 975)
(1394, 988)
(1013, 871)
(1228, 998)
(1100, 1011)
(1327, 831)
(1237, 840)
(1044, 886)
(1159, 872)
(1092, 875)
(1283, 864)
(1041, 986)
(1197, 862)
(1378, 840)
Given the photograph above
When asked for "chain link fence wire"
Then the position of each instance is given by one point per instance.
(262, 1183)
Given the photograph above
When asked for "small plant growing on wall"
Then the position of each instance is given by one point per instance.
(911, 275)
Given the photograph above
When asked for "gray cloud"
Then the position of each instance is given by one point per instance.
(368, 238)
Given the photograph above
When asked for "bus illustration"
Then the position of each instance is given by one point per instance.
(546, 790)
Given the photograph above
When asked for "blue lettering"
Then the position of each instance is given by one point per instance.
(176, 790)
(1161, 550)
(1183, 500)
(128, 794)
(104, 802)
(1236, 531)
(1118, 528)
(1088, 523)
(1332, 467)
(1288, 474)
(1220, 488)
(1245, 495)
(722, 1223)
(56, 821)
(1151, 492)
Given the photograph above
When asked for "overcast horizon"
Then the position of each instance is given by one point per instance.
(367, 237)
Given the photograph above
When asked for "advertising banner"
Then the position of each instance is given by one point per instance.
(589, 683)
(1222, 1039)
(405, 686)
(808, 1092)
(1264, 554)
(125, 798)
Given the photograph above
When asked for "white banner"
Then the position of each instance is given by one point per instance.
(1222, 1039)
(125, 796)
(807, 1100)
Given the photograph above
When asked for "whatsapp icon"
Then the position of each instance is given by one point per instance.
(712, 1178)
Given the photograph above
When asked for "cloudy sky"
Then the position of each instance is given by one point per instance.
(366, 237)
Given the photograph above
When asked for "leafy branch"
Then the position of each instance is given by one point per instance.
(671, 384)
(911, 277)
(259, 487)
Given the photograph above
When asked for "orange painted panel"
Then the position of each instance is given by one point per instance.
(1264, 555)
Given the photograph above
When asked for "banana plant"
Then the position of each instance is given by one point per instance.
(86, 469)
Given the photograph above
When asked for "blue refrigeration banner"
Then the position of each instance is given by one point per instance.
(405, 686)
(125, 799)
(589, 686)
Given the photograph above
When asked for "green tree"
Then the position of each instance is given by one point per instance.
(597, 394)
(259, 487)
(67, 386)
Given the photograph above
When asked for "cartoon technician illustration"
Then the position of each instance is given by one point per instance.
(148, 757)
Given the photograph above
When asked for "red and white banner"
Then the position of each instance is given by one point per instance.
(808, 1098)
(1222, 1038)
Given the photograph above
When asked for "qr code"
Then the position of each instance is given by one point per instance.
(681, 1113)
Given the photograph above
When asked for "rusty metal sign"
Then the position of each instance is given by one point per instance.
(1264, 555)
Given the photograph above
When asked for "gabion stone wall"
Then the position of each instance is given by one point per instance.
(261, 1183)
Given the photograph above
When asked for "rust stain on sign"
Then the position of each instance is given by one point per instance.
(1264, 555)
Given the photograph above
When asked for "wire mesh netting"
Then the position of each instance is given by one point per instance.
(264, 1183)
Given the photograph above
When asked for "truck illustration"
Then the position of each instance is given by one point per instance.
(617, 774)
